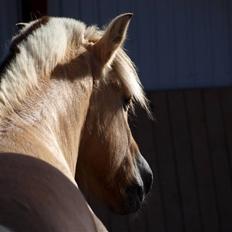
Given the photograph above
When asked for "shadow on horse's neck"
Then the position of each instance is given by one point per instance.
(49, 123)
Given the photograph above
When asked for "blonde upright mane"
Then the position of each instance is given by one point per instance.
(43, 44)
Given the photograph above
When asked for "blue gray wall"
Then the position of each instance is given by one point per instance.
(174, 43)
(10, 14)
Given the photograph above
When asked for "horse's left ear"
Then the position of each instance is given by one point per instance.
(113, 37)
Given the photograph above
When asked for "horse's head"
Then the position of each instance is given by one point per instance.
(110, 165)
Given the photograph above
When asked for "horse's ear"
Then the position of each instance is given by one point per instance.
(113, 37)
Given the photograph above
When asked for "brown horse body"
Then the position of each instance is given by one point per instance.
(65, 93)
(32, 198)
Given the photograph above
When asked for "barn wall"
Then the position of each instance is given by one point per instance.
(174, 43)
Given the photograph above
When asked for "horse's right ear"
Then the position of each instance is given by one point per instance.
(113, 37)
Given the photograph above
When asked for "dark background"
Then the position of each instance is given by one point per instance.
(183, 52)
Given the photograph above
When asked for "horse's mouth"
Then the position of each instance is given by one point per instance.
(132, 200)
(126, 208)
(133, 204)
(133, 195)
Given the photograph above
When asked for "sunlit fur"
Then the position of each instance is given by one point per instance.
(47, 89)
(38, 55)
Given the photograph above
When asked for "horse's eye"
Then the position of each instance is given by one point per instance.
(126, 103)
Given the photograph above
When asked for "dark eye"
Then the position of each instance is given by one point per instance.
(126, 103)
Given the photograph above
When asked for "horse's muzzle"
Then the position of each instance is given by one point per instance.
(145, 173)
(136, 192)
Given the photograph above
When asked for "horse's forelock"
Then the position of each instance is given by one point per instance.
(126, 71)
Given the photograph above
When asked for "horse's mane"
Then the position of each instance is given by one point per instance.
(43, 44)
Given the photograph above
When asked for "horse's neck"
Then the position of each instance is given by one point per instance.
(45, 120)
(49, 126)
(70, 116)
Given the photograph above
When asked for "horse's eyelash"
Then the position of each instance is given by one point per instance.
(126, 103)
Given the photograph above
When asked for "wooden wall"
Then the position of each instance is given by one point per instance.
(189, 146)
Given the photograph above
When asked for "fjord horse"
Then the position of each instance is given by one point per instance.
(65, 93)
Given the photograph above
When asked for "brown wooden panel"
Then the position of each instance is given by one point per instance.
(219, 158)
(150, 218)
(183, 161)
(118, 223)
(204, 185)
(166, 164)
(225, 97)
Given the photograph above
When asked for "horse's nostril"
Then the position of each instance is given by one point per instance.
(146, 173)
(140, 192)
(147, 181)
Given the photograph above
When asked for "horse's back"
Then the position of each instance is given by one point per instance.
(34, 196)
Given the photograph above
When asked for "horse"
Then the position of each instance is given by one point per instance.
(66, 91)
(29, 203)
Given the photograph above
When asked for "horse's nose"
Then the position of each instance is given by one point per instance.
(147, 178)
(137, 191)
(146, 173)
